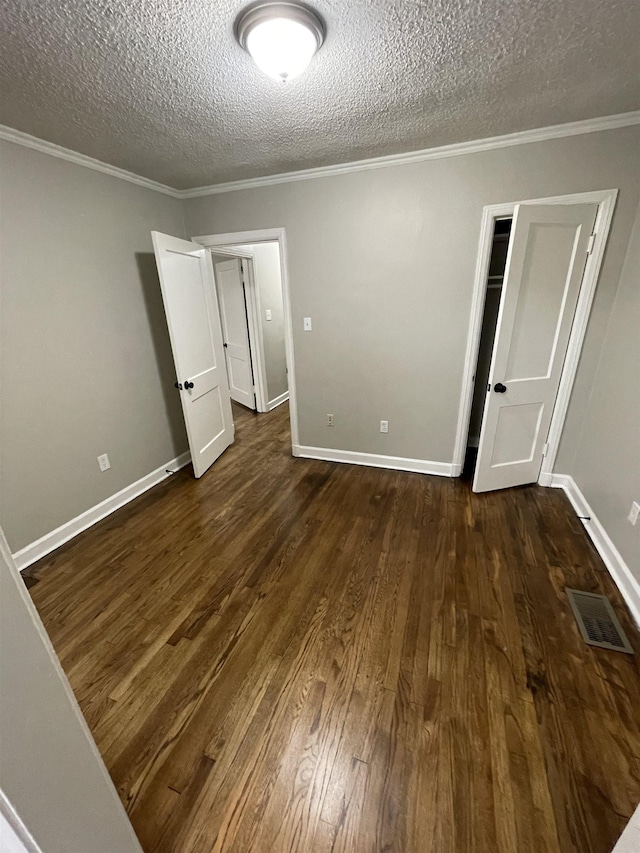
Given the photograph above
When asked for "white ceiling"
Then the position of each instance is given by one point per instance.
(160, 88)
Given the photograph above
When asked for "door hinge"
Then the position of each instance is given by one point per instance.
(545, 448)
(592, 240)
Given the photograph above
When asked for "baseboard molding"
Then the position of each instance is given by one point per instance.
(611, 557)
(278, 401)
(395, 463)
(43, 546)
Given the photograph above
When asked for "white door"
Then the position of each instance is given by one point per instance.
(188, 292)
(233, 310)
(545, 264)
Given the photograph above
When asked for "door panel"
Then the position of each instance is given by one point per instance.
(516, 429)
(233, 311)
(545, 285)
(188, 292)
(545, 265)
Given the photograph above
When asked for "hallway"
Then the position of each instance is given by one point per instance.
(294, 655)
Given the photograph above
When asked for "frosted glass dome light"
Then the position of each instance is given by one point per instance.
(280, 37)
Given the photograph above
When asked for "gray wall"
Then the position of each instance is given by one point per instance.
(603, 457)
(267, 270)
(51, 772)
(383, 261)
(86, 362)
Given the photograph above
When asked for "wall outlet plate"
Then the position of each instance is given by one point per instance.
(103, 462)
(634, 512)
(329, 420)
(307, 324)
(384, 426)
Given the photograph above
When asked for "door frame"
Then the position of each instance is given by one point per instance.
(606, 201)
(256, 341)
(269, 235)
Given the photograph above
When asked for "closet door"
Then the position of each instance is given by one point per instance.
(545, 265)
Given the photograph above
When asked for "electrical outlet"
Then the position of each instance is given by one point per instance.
(307, 324)
(634, 512)
(384, 426)
(329, 420)
(103, 462)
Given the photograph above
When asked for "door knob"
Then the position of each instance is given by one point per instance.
(224, 345)
(188, 385)
(178, 385)
(499, 388)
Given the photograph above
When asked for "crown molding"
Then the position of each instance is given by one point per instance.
(27, 141)
(457, 149)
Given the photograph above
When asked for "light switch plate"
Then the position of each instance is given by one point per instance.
(268, 313)
(634, 512)
(307, 324)
(103, 462)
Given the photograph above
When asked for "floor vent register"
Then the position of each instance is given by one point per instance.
(597, 622)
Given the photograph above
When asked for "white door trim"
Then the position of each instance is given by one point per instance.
(13, 831)
(254, 312)
(267, 235)
(606, 200)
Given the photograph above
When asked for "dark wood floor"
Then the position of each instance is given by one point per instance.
(290, 655)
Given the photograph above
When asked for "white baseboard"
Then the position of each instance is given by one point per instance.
(50, 541)
(277, 401)
(611, 557)
(396, 463)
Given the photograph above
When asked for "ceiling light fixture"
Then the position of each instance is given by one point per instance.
(281, 37)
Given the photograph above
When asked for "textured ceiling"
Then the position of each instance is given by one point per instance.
(159, 87)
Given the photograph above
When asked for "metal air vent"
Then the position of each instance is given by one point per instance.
(597, 622)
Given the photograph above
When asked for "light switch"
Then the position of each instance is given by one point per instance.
(267, 313)
(307, 324)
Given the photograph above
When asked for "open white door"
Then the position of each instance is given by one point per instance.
(233, 310)
(188, 292)
(545, 264)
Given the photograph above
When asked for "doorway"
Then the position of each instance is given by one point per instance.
(192, 307)
(259, 277)
(530, 309)
(268, 312)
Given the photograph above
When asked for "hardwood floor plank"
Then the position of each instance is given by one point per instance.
(296, 656)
